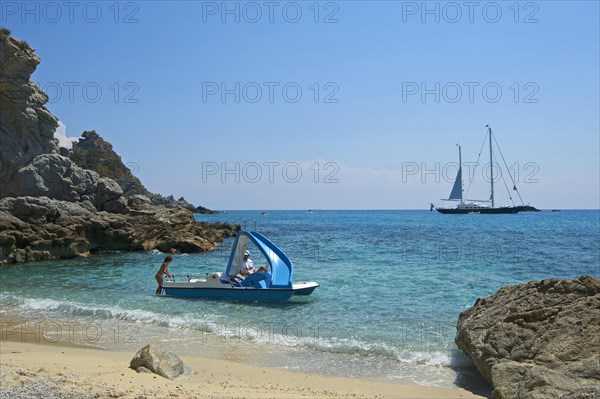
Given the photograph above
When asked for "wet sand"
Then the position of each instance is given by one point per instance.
(68, 371)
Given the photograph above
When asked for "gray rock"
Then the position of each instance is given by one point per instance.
(30, 163)
(55, 176)
(142, 369)
(163, 363)
(26, 126)
(109, 196)
(63, 151)
(536, 340)
(34, 208)
(584, 393)
(138, 202)
(42, 228)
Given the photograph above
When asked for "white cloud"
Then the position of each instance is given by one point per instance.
(61, 135)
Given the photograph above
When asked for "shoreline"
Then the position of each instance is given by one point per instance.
(85, 372)
(236, 346)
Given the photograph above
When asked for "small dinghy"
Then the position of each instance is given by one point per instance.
(273, 282)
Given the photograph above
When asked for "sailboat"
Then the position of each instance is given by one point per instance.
(472, 207)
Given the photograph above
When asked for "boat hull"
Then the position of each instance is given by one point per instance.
(304, 288)
(527, 208)
(483, 211)
(236, 294)
(192, 290)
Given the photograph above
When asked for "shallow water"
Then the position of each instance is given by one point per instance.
(392, 286)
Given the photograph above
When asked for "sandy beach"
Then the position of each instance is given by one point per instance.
(56, 370)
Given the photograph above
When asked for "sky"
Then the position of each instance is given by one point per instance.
(332, 104)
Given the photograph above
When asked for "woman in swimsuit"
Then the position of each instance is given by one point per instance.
(164, 269)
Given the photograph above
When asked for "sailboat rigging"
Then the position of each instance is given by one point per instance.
(472, 207)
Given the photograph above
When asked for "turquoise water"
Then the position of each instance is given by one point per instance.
(392, 286)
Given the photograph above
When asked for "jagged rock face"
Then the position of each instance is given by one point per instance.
(537, 340)
(26, 126)
(94, 153)
(41, 228)
(50, 207)
(30, 164)
(54, 176)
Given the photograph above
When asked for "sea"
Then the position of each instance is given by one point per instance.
(392, 285)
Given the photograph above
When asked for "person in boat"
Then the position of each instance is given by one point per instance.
(247, 266)
(164, 269)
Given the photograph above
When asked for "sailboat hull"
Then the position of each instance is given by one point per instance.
(482, 210)
(527, 208)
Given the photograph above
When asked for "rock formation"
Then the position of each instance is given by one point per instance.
(537, 340)
(55, 176)
(41, 228)
(51, 207)
(94, 153)
(30, 163)
(26, 126)
(152, 358)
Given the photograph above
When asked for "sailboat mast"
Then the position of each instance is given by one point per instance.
(491, 166)
(461, 180)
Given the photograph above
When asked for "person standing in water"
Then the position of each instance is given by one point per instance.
(164, 269)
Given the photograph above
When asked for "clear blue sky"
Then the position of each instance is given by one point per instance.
(161, 67)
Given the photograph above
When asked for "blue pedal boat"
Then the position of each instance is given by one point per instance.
(274, 284)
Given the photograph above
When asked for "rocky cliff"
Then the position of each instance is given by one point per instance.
(30, 163)
(26, 126)
(51, 207)
(537, 340)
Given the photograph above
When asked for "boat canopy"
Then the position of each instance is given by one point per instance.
(280, 266)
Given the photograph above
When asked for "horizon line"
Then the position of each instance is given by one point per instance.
(389, 209)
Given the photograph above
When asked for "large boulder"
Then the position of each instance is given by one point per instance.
(161, 362)
(537, 340)
(139, 202)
